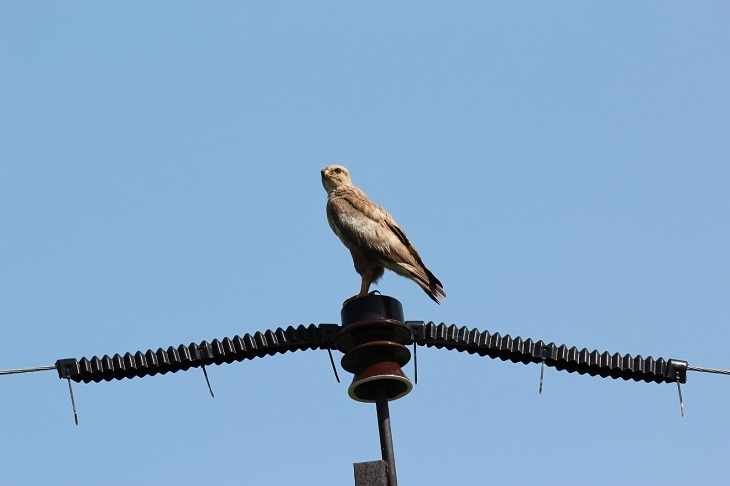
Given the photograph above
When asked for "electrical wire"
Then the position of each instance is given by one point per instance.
(28, 370)
(708, 370)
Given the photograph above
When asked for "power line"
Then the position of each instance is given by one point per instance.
(28, 370)
(708, 370)
(55, 367)
(323, 336)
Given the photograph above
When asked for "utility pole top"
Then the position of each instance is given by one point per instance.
(373, 339)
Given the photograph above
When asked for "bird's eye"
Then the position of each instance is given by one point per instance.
(337, 170)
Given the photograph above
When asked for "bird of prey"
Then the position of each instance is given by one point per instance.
(372, 236)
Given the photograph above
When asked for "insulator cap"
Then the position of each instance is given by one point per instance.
(371, 307)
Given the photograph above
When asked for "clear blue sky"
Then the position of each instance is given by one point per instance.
(563, 168)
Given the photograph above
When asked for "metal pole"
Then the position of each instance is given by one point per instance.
(386, 437)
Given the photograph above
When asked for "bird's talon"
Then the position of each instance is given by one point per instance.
(347, 301)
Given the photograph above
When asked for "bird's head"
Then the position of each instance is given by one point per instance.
(335, 176)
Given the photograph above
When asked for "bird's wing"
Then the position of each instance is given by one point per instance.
(361, 224)
(368, 228)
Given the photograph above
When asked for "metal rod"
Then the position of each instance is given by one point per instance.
(210, 388)
(386, 437)
(542, 374)
(334, 368)
(681, 402)
(73, 402)
(545, 350)
(415, 362)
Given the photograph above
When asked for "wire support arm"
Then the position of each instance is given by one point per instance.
(322, 336)
(181, 358)
(561, 357)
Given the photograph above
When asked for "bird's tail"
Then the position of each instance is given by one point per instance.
(425, 279)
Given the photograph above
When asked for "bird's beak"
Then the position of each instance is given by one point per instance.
(324, 174)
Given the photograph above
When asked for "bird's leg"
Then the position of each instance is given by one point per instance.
(364, 287)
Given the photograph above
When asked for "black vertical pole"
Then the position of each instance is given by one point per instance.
(386, 437)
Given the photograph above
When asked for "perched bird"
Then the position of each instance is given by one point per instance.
(371, 235)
